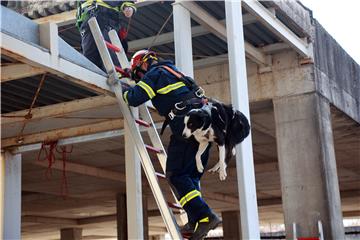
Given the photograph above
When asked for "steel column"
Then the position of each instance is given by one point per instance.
(240, 100)
(183, 39)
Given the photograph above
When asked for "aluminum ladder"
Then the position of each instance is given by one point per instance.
(145, 120)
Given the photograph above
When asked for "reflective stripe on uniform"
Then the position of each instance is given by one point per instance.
(99, 3)
(125, 97)
(189, 196)
(170, 88)
(203, 220)
(147, 88)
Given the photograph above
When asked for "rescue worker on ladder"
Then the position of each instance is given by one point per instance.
(173, 94)
(108, 15)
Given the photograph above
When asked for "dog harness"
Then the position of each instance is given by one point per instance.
(194, 99)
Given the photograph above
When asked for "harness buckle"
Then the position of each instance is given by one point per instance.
(171, 115)
(200, 92)
(177, 106)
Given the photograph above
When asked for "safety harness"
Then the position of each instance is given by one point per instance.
(194, 99)
(84, 9)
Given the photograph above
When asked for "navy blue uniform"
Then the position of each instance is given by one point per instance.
(164, 90)
(107, 19)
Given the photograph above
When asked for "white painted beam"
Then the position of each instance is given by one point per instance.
(277, 27)
(169, 37)
(2, 192)
(18, 70)
(240, 101)
(183, 40)
(12, 196)
(81, 139)
(217, 28)
(69, 17)
(48, 34)
(133, 186)
(34, 56)
(61, 19)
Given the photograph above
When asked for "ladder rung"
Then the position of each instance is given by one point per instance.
(186, 235)
(142, 123)
(153, 149)
(308, 238)
(160, 175)
(112, 46)
(119, 69)
(174, 205)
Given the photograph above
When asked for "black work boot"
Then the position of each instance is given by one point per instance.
(204, 225)
(188, 228)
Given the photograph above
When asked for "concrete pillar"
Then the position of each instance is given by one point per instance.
(71, 234)
(121, 217)
(309, 182)
(12, 195)
(2, 192)
(240, 101)
(146, 219)
(231, 225)
(133, 186)
(183, 39)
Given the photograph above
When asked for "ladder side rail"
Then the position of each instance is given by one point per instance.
(149, 170)
(167, 215)
(146, 116)
(156, 141)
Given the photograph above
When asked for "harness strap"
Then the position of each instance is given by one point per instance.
(172, 71)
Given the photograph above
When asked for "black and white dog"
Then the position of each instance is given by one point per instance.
(220, 123)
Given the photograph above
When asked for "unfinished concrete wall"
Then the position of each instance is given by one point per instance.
(337, 74)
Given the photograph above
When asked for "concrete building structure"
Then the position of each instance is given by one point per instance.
(303, 90)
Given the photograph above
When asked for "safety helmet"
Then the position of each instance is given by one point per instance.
(138, 59)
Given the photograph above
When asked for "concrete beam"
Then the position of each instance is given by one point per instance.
(61, 19)
(59, 109)
(65, 222)
(169, 37)
(69, 17)
(217, 28)
(84, 170)
(277, 27)
(63, 133)
(36, 57)
(19, 70)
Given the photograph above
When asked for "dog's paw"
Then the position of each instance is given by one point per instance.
(233, 151)
(214, 168)
(200, 168)
(222, 174)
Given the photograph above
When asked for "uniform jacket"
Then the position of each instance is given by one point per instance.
(159, 86)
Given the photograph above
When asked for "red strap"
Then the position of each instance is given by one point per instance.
(176, 74)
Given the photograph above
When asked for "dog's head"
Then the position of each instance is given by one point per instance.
(196, 121)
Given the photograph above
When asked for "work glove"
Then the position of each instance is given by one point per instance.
(122, 33)
(124, 86)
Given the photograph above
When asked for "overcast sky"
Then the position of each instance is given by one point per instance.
(341, 18)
